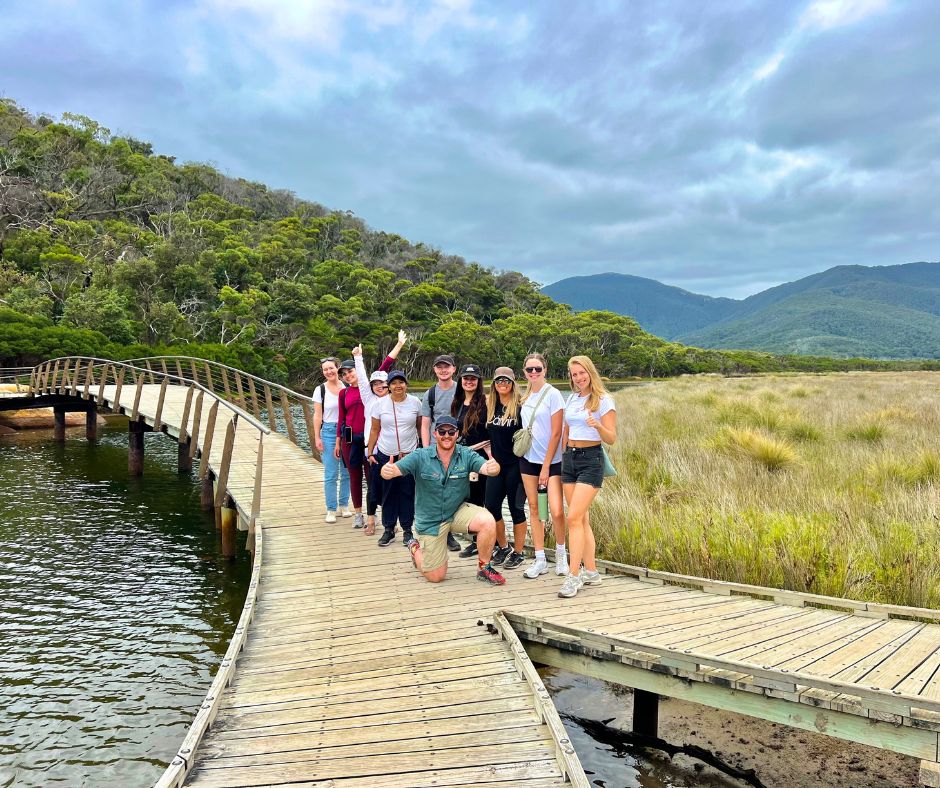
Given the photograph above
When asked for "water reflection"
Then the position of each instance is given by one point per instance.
(115, 607)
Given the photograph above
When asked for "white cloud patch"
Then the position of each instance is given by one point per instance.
(716, 146)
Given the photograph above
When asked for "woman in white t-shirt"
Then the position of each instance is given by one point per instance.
(542, 407)
(396, 420)
(325, 417)
(590, 421)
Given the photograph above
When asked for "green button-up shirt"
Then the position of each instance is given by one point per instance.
(439, 492)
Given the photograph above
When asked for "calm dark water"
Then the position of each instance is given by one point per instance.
(115, 609)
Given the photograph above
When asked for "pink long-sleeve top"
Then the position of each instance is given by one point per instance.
(351, 410)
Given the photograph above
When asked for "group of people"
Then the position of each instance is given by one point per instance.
(422, 461)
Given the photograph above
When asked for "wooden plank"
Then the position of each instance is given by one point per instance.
(225, 461)
(139, 390)
(256, 495)
(89, 379)
(288, 417)
(241, 393)
(255, 409)
(197, 418)
(119, 383)
(157, 423)
(269, 404)
(184, 419)
(210, 384)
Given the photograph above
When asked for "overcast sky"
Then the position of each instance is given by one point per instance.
(719, 146)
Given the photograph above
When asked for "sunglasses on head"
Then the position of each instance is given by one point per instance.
(502, 381)
(329, 358)
(447, 432)
(533, 370)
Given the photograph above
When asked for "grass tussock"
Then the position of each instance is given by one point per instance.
(811, 489)
(768, 452)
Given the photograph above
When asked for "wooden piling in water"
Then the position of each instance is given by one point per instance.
(207, 493)
(229, 527)
(183, 458)
(91, 424)
(58, 431)
(135, 453)
(645, 713)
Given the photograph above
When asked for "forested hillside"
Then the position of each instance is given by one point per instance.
(108, 248)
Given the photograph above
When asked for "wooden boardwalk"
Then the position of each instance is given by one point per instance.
(353, 671)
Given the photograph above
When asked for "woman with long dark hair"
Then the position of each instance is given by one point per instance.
(469, 408)
(502, 423)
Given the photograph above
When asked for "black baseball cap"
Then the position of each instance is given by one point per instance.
(447, 421)
(396, 374)
(348, 364)
(471, 371)
(445, 359)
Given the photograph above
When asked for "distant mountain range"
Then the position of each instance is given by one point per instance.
(851, 310)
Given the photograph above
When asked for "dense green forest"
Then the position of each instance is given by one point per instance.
(107, 248)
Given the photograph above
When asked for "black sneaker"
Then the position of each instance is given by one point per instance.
(514, 560)
(452, 544)
(500, 554)
(406, 537)
(386, 538)
(469, 551)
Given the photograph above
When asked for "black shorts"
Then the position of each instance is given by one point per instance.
(583, 465)
(535, 469)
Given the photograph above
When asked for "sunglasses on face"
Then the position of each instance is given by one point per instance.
(380, 387)
(533, 370)
(502, 381)
(447, 432)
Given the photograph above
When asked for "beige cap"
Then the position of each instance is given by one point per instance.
(504, 372)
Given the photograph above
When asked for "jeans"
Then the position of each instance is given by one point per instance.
(333, 469)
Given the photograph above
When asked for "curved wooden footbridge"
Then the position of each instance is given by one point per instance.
(348, 670)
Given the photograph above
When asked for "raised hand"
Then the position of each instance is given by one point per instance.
(402, 337)
(357, 350)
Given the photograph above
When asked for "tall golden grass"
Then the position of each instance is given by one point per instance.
(828, 484)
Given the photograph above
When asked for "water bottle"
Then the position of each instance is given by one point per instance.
(543, 503)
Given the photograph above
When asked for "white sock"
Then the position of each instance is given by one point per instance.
(539, 555)
(560, 549)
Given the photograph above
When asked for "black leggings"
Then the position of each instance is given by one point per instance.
(374, 488)
(508, 485)
(397, 498)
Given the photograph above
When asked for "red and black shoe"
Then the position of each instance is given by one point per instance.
(489, 575)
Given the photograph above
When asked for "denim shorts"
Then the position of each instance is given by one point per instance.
(583, 465)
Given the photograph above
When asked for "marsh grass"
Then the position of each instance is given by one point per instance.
(814, 489)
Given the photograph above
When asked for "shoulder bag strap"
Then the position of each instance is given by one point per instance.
(538, 402)
(395, 416)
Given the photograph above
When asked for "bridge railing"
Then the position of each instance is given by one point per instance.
(286, 411)
(88, 378)
(17, 377)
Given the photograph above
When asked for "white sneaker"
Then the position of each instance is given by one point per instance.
(538, 567)
(589, 578)
(570, 587)
(347, 513)
(331, 516)
(561, 564)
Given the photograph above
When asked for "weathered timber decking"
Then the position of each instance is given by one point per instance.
(356, 672)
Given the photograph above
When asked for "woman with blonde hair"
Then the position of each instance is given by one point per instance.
(590, 421)
(542, 409)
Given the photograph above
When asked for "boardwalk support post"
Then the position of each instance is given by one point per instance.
(91, 423)
(645, 713)
(930, 774)
(58, 432)
(183, 458)
(229, 527)
(135, 454)
(207, 494)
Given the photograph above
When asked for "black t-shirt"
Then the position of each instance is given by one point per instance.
(500, 432)
(478, 434)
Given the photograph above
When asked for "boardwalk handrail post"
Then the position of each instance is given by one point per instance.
(224, 464)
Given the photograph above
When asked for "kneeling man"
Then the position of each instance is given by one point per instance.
(442, 483)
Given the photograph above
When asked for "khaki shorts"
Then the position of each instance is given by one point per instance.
(434, 548)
